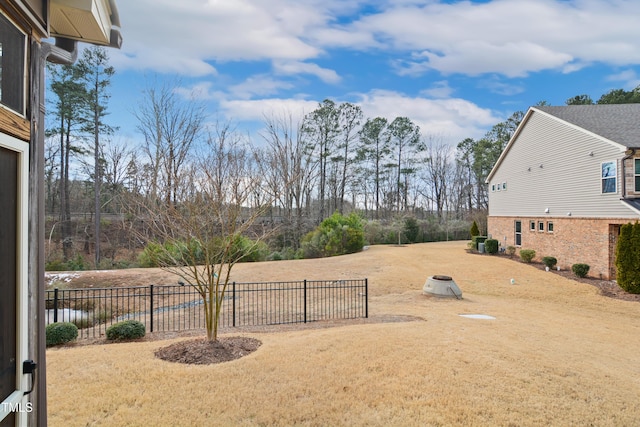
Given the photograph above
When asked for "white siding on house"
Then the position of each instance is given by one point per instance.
(555, 166)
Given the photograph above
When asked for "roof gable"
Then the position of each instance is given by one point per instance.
(615, 124)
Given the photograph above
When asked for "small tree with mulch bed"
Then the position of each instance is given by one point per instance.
(202, 237)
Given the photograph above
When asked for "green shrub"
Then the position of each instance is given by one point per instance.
(250, 250)
(411, 229)
(126, 330)
(76, 264)
(580, 270)
(549, 261)
(527, 255)
(275, 256)
(511, 250)
(474, 231)
(60, 333)
(477, 239)
(336, 235)
(152, 255)
(194, 252)
(491, 246)
(628, 258)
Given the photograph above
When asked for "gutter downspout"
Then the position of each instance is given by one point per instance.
(115, 37)
(64, 51)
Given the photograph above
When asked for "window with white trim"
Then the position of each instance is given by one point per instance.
(541, 226)
(609, 176)
(518, 233)
(550, 227)
(532, 226)
(637, 175)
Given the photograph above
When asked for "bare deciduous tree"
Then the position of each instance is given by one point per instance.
(289, 168)
(170, 126)
(203, 236)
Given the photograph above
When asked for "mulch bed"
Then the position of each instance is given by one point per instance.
(203, 352)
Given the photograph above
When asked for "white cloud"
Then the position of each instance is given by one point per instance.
(452, 119)
(479, 57)
(298, 67)
(439, 89)
(164, 34)
(258, 85)
(629, 78)
(500, 87)
(257, 110)
(509, 37)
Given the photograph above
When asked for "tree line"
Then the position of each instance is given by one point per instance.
(333, 160)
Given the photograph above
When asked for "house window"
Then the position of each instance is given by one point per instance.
(12, 66)
(609, 177)
(504, 186)
(541, 226)
(532, 226)
(498, 187)
(493, 187)
(518, 233)
(637, 174)
(550, 227)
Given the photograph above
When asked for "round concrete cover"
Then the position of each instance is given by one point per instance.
(442, 286)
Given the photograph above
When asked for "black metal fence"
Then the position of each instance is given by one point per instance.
(176, 307)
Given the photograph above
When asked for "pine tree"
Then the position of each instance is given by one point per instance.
(475, 231)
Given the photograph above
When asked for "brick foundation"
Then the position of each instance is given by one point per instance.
(573, 240)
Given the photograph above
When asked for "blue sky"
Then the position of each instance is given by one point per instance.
(454, 67)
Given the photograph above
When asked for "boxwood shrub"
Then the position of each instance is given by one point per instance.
(527, 255)
(60, 333)
(126, 330)
(549, 261)
(580, 270)
(491, 246)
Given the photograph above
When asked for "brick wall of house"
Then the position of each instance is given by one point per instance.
(573, 240)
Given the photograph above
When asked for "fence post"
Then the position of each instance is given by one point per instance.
(305, 300)
(151, 305)
(366, 298)
(233, 296)
(55, 305)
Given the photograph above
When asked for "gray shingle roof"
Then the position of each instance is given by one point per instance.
(634, 203)
(617, 122)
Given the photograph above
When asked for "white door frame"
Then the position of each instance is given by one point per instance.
(22, 212)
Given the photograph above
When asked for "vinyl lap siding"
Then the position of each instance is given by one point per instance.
(568, 181)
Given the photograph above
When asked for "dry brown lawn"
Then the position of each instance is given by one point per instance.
(558, 353)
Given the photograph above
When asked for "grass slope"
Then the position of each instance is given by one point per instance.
(556, 354)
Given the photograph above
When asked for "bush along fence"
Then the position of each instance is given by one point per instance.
(180, 307)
